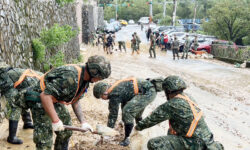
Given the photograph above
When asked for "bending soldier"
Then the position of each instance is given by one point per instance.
(133, 95)
(14, 80)
(188, 129)
(62, 86)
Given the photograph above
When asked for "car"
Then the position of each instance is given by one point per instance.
(110, 28)
(116, 25)
(143, 20)
(123, 22)
(131, 22)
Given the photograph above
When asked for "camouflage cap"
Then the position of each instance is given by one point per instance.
(99, 89)
(173, 83)
(157, 82)
(99, 67)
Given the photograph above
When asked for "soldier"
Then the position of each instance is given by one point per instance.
(60, 86)
(138, 41)
(186, 47)
(122, 44)
(134, 44)
(109, 44)
(188, 129)
(133, 94)
(13, 80)
(175, 47)
(196, 44)
(152, 45)
(104, 42)
(92, 38)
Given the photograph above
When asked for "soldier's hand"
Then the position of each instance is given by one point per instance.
(87, 127)
(57, 126)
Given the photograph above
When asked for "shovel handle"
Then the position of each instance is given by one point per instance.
(77, 129)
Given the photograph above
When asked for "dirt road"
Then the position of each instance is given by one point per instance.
(221, 91)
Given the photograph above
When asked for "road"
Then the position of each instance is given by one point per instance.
(221, 91)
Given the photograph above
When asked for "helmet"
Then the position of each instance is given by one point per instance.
(98, 66)
(99, 89)
(173, 83)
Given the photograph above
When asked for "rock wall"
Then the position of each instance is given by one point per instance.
(23, 20)
(233, 52)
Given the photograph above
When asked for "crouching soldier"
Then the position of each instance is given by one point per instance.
(62, 86)
(133, 95)
(12, 81)
(188, 129)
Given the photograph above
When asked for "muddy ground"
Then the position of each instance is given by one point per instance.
(221, 91)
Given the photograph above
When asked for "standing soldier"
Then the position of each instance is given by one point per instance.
(152, 45)
(186, 47)
(122, 44)
(61, 86)
(134, 44)
(175, 47)
(133, 95)
(138, 41)
(14, 80)
(92, 38)
(188, 129)
(109, 44)
(104, 42)
(196, 44)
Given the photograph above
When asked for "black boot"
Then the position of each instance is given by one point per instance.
(12, 133)
(27, 121)
(128, 130)
(61, 145)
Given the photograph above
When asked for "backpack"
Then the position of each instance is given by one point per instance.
(110, 39)
(157, 82)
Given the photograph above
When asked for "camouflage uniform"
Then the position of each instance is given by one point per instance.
(180, 115)
(175, 48)
(62, 84)
(122, 44)
(152, 45)
(186, 48)
(138, 41)
(134, 45)
(196, 45)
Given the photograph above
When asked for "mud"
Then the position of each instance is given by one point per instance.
(221, 91)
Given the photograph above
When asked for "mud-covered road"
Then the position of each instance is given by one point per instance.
(222, 92)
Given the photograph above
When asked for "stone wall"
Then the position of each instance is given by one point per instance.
(232, 52)
(23, 20)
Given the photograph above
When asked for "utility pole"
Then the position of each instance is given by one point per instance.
(164, 8)
(195, 9)
(116, 9)
(174, 12)
(151, 11)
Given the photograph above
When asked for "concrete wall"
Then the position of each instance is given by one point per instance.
(23, 20)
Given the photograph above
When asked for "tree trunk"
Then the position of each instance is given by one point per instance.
(174, 12)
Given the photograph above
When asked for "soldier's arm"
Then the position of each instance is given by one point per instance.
(160, 114)
(113, 112)
(78, 111)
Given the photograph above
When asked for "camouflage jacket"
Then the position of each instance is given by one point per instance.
(123, 93)
(187, 43)
(179, 113)
(175, 44)
(62, 83)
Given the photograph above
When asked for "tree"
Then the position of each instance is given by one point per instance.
(229, 20)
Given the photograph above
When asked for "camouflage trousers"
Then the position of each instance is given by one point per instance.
(173, 142)
(43, 133)
(185, 52)
(134, 108)
(152, 49)
(121, 44)
(175, 52)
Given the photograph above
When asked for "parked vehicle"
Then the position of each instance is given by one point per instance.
(110, 28)
(143, 20)
(123, 22)
(116, 25)
(131, 22)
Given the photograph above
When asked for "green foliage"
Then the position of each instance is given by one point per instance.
(229, 20)
(57, 35)
(38, 50)
(246, 40)
(63, 2)
(57, 60)
(166, 21)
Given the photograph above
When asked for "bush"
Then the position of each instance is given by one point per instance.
(57, 60)
(63, 2)
(38, 50)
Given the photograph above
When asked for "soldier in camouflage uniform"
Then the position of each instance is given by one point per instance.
(134, 44)
(152, 45)
(60, 86)
(133, 95)
(196, 44)
(121, 45)
(175, 48)
(92, 38)
(9, 89)
(138, 41)
(180, 110)
(186, 47)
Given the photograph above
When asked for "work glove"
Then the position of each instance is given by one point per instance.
(86, 126)
(58, 126)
